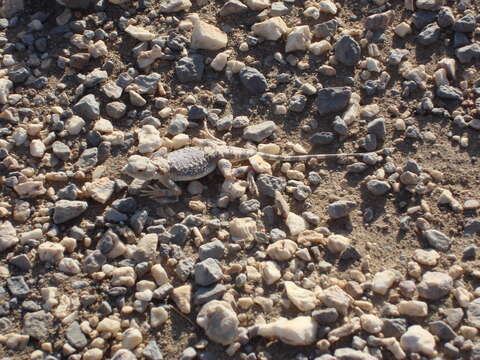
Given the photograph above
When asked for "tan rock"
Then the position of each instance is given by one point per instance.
(418, 340)
(300, 331)
(182, 296)
(271, 29)
(298, 39)
(304, 300)
(207, 37)
(139, 33)
(282, 250)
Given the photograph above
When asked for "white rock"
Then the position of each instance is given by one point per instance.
(304, 300)
(5, 87)
(427, 257)
(37, 148)
(298, 39)
(69, 266)
(383, 281)
(271, 272)
(219, 321)
(148, 57)
(413, 308)
(319, 48)
(242, 229)
(271, 29)
(158, 316)
(295, 223)
(182, 296)
(50, 252)
(132, 337)
(171, 6)
(74, 125)
(327, 7)
(93, 354)
(418, 340)
(256, 5)
(312, 12)
(337, 243)
(8, 236)
(148, 139)
(103, 126)
(207, 37)
(101, 189)
(30, 189)
(300, 331)
(139, 33)
(403, 29)
(124, 276)
(109, 325)
(282, 250)
(98, 49)
(220, 61)
(335, 297)
(371, 323)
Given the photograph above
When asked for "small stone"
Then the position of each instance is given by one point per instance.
(18, 287)
(380, 21)
(304, 300)
(131, 338)
(219, 321)
(101, 189)
(371, 323)
(38, 324)
(418, 340)
(295, 223)
(347, 51)
(383, 281)
(75, 336)
(413, 308)
(332, 100)
(427, 257)
(207, 272)
(437, 240)
(271, 29)
(173, 6)
(152, 351)
(300, 331)
(253, 80)
(182, 296)
(190, 68)
(87, 107)
(259, 132)
(66, 210)
(337, 243)
(139, 33)
(442, 330)
(298, 39)
(435, 285)
(282, 250)
(340, 208)
(378, 187)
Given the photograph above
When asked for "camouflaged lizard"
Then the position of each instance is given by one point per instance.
(196, 162)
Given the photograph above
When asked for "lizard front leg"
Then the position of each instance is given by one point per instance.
(162, 196)
(170, 184)
(226, 168)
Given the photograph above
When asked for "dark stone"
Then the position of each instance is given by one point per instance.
(394, 327)
(190, 68)
(18, 286)
(332, 100)
(253, 80)
(75, 336)
(347, 51)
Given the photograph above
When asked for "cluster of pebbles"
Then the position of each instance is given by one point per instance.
(90, 270)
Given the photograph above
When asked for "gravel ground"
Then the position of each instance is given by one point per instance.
(373, 256)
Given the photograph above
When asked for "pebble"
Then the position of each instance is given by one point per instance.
(206, 36)
(435, 285)
(347, 51)
(300, 331)
(418, 340)
(304, 300)
(271, 29)
(219, 321)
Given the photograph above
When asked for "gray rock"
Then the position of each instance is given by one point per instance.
(93, 261)
(96, 77)
(253, 80)
(138, 220)
(325, 316)
(61, 150)
(429, 35)
(322, 138)
(332, 100)
(11, 7)
(268, 184)
(297, 103)
(347, 51)
(357, 168)
(207, 272)
(394, 327)
(378, 187)
(152, 351)
(147, 84)
(184, 268)
(472, 227)
(454, 317)
(232, 7)
(377, 127)
(75, 336)
(445, 17)
(190, 68)
(435, 285)
(189, 353)
(396, 56)
(209, 293)
(473, 313)
(259, 132)
(465, 24)
(442, 330)
(116, 109)
(18, 287)
(38, 324)
(469, 53)
(21, 261)
(340, 208)
(87, 107)
(178, 124)
(179, 233)
(66, 210)
(325, 29)
(88, 159)
(449, 93)
(422, 18)
(213, 249)
(437, 240)
(351, 354)
(379, 22)
(19, 75)
(432, 5)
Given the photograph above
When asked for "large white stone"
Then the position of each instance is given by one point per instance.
(298, 39)
(206, 36)
(304, 300)
(300, 331)
(139, 33)
(219, 321)
(271, 29)
(418, 340)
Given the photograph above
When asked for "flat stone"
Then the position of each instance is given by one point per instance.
(75, 336)
(442, 330)
(207, 272)
(259, 132)
(332, 100)
(207, 37)
(219, 321)
(172, 6)
(437, 240)
(208, 293)
(340, 208)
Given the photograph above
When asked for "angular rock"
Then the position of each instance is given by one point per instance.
(66, 210)
(332, 100)
(207, 37)
(253, 80)
(347, 51)
(219, 321)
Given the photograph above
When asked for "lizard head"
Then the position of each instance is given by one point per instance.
(141, 167)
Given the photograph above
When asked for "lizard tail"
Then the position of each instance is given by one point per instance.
(293, 158)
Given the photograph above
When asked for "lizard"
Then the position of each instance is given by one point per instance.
(195, 162)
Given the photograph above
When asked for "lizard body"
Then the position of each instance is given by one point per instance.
(196, 162)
